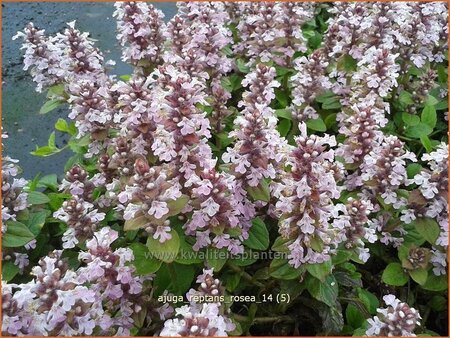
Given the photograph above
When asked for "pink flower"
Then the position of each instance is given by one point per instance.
(163, 233)
(158, 209)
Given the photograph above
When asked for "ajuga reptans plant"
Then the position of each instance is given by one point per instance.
(266, 169)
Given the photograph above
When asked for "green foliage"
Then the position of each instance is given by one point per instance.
(258, 237)
(166, 251)
(395, 275)
(50, 105)
(16, 235)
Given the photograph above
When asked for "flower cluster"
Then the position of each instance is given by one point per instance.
(310, 81)
(243, 127)
(221, 213)
(141, 32)
(41, 57)
(67, 57)
(272, 31)
(61, 301)
(305, 195)
(259, 148)
(181, 137)
(90, 108)
(14, 199)
(397, 320)
(151, 196)
(82, 60)
(200, 319)
(431, 200)
(384, 169)
(353, 223)
(79, 212)
(198, 34)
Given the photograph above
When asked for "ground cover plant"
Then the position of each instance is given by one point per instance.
(267, 169)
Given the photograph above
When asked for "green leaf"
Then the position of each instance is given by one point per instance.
(308, 33)
(420, 129)
(65, 127)
(167, 251)
(438, 303)
(231, 280)
(245, 259)
(240, 64)
(36, 197)
(183, 276)
(36, 221)
(227, 50)
(341, 256)
(348, 278)
(284, 113)
(428, 228)
(56, 90)
(282, 97)
(216, 258)
(330, 120)
(9, 271)
(175, 206)
(315, 41)
(320, 271)
(431, 101)
(56, 200)
(316, 124)
(419, 275)
(429, 116)
(224, 139)
(136, 223)
(34, 183)
(260, 192)
(61, 125)
(370, 300)
(17, 234)
(403, 252)
(281, 71)
(426, 142)
(442, 105)
(49, 181)
(238, 331)
(347, 63)
(413, 236)
(394, 275)
(436, 283)
(331, 104)
(143, 261)
(354, 316)
(284, 126)
(125, 77)
(45, 151)
(413, 169)
(50, 105)
(326, 97)
(280, 244)
(232, 82)
(405, 98)
(281, 269)
(410, 119)
(258, 237)
(51, 141)
(326, 291)
(187, 255)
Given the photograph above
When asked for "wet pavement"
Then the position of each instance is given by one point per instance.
(21, 103)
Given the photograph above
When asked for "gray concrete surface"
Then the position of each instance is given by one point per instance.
(21, 103)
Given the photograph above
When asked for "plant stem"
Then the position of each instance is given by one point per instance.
(264, 320)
